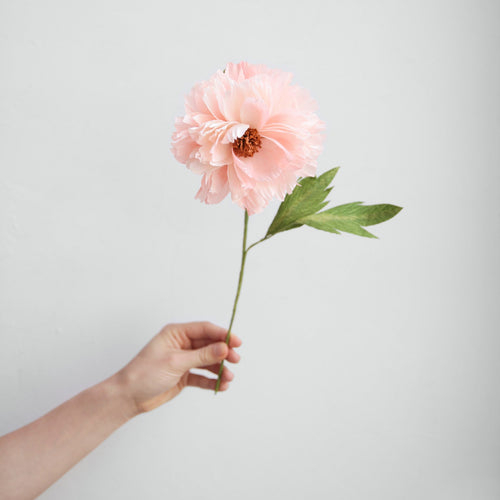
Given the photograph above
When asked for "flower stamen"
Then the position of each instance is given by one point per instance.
(248, 144)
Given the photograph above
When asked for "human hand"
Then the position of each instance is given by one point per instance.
(162, 368)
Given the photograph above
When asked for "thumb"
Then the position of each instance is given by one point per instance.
(205, 356)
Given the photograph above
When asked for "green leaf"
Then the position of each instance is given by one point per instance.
(350, 218)
(306, 199)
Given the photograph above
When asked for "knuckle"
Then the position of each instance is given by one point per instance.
(205, 357)
(172, 359)
(205, 383)
(165, 331)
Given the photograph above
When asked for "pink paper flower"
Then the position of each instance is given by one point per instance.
(249, 132)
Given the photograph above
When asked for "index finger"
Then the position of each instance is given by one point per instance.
(203, 330)
(234, 341)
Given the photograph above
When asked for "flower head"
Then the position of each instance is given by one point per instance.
(248, 131)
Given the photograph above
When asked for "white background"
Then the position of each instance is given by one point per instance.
(369, 368)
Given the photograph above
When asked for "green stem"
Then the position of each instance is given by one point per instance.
(244, 252)
(240, 280)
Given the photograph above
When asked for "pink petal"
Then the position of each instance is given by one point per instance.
(183, 146)
(214, 186)
(263, 165)
(254, 112)
(235, 132)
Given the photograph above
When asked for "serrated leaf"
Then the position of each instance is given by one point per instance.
(306, 199)
(350, 218)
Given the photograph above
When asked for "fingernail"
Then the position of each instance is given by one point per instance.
(219, 350)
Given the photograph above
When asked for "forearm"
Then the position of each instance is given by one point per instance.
(35, 456)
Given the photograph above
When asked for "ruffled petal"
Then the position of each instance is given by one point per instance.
(235, 132)
(183, 145)
(263, 165)
(254, 112)
(214, 186)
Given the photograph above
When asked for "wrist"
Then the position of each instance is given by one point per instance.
(115, 390)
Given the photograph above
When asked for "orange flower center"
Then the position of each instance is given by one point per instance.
(248, 144)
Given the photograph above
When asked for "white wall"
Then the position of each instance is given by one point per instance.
(370, 367)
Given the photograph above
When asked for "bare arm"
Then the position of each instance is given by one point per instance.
(36, 455)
